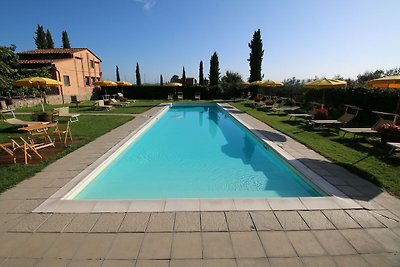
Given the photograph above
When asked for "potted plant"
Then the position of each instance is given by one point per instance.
(389, 133)
(44, 116)
(321, 114)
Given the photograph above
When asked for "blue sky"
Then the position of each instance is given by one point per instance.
(301, 38)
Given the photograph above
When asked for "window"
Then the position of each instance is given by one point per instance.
(91, 64)
(66, 81)
(87, 80)
(93, 80)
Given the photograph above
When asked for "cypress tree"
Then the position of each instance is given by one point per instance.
(65, 40)
(183, 76)
(214, 70)
(138, 80)
(40, 39)
(161, 80)
(50, 43)
(201, 75)
(117, 72)
(256, 55)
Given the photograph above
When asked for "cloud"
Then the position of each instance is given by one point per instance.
(147, 4)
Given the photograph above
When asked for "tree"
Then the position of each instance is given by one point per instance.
(117, 73)
(50, 43)
(138, 80)
(40, 39)
(369, 75)
(8, 65)
(65, 40)
(201, 75)
(256, 56)
(230, 83)
(183, 76)
(161, 80)
(214, 70)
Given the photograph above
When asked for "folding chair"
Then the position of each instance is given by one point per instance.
(66, 132)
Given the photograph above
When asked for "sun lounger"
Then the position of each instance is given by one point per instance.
(285, 109)
(99, 104)
(17, 122)
(115, 102)
(393, 147)
(373, 130)
(170, 96)
(180, 96)
(341, 121)
(197, 96)
(309, 115)
(64, 112)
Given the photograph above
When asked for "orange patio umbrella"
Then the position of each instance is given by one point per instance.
(388, 82)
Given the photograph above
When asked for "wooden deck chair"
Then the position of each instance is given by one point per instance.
(14, 121)
(64, 112)
(342, 120)
(180, 96)
(373, 130)
(170, 96)
(99, 104)
(9, 149)
(197, 96)
(66, 132)
(25, 147)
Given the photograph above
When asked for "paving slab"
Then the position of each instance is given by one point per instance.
(261, 262)
(12, 241)
(8, 221)
(82, 223)
(350, 260)
(125, 246)
(161, 222)
(318, 261)
(156, 246)
(389, 240)
(364, 218)
(86, 263)
(305, 243)
(286, 204)
(340, 219)
(35, 246)
(265, 220)
(291, 220)
(53, 263)
(285, 262)
(386, 218)
(276, 244)
(186, 246)
(219, 263)
(239, 221)
(186, 263)
(213, 221)
(217, 245)
(108, 223)
(65, 246)
(152, 263)
(247, 245)
(362, 241)
(334, 243)
(118, 263)
(383, 260)
(20, 262)
(94, 246)
(135, 222)
(187, 222)
(316, 220)
(56, 223)
(30, 222)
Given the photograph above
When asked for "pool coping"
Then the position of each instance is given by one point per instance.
(336, 199)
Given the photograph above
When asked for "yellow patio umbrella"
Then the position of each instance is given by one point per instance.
(105, 83)
(270, 83)
(123, 83)
(388, 82)
(325, 84)
(39, 82)
(173, 84)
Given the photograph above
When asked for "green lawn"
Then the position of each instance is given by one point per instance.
(87, 129)
(358, 156)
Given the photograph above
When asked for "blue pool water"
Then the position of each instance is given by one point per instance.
(196, 152)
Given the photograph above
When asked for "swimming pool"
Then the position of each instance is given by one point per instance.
(194, 151)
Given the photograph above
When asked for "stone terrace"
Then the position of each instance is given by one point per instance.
(367, 234)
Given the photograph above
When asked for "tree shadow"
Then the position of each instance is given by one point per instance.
(275, 137)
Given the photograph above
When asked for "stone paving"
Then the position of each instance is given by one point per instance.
(368, 235)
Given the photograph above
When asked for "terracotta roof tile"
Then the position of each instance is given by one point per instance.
(53, 51)
(36, 61)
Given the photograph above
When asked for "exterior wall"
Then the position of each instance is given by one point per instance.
(30, 102)
(77, 68)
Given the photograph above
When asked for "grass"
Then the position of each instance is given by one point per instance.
(358, 156)
(87, 129)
